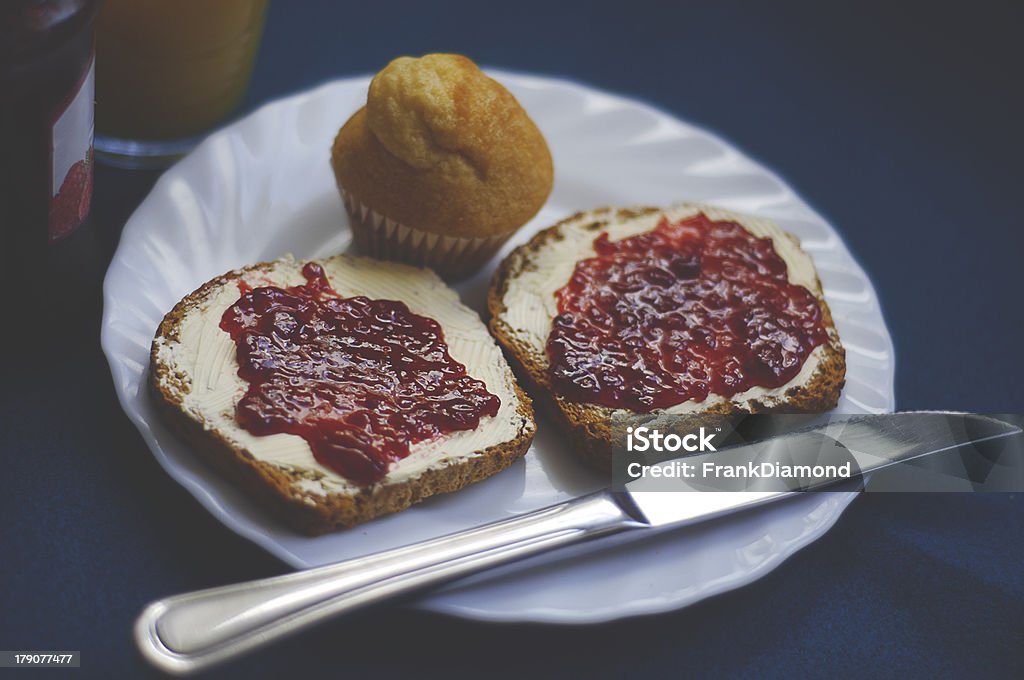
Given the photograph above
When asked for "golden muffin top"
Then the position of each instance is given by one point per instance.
(442, 147)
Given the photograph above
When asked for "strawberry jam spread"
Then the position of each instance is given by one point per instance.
(691, 308)
(360, 380)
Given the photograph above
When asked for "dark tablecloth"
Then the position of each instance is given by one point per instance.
(900, 124)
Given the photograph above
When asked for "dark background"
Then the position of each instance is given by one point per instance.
(900, 124)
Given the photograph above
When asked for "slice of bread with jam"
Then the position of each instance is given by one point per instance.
(689, 310)
(338, 391)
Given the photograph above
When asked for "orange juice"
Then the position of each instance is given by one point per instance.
(168, 69)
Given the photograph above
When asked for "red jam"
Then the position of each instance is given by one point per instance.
(691, 308)
(360, 380)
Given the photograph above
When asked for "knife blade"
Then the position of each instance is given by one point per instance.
(189, 632)
(870, 442)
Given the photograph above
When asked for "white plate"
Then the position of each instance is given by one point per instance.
(263, 187)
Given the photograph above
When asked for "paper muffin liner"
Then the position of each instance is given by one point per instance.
(384, 238)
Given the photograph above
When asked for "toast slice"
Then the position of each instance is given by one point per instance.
(522, 305)
(194, 377)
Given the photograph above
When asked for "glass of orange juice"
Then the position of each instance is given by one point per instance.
(167, 71)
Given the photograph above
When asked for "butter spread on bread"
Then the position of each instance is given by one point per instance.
(196, 381)
(523, 305)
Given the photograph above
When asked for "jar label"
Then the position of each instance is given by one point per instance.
(71, 158)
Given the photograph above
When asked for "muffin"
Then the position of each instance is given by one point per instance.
(441, 166)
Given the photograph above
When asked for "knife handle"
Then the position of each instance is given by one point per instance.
(188, 632)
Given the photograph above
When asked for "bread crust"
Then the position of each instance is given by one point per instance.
(588, 426)
(442, 148)
(273, 487)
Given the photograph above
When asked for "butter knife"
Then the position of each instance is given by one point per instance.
(189, 632)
